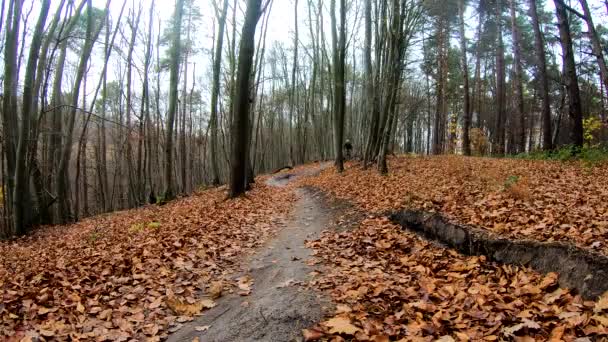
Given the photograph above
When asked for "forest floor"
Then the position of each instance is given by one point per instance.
(206, 269)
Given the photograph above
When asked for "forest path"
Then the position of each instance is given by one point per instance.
(280, 304)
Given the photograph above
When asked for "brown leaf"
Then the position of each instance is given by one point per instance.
(602, 303)
(340, 325)
(184, 308)
(312, 334)
(215, 289)
(557, 333)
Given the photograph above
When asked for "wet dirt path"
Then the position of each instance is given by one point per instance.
(280, 304)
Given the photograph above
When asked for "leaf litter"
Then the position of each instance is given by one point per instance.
(102, 279)
(390, 284)
(540, 200)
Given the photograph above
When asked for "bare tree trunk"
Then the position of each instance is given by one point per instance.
(21, 193)
(128, 157)
(175, 60)
(520, 140)
(9, 101)
(293, 99)
(240, 117)
(466, 144)
(369, 77)
(184, 108)
(543, 80)
(339, 55)
(440, 112)
(149, 132)
(63, 180)
(575, 113)
(217, 65)
(43, 197)
(499, 139)
(477, 96)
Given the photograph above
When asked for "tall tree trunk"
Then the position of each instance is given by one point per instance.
(128, 157)
(477, 87)
(499, 139)
(466, 144)
(184, 108)
(174, 75)
(21, 193)
(339, 55)
(441, 108)
(240, 116)
(520, 138)
(369, 77)
(9, 100)
(63, 179)
(543, 80)
(215, 90)
(149, 132)
(293, 100)
(43, 197)
(575, 113)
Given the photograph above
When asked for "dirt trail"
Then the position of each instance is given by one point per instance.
(280, 304)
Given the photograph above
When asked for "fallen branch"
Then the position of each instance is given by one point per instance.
(579, 269)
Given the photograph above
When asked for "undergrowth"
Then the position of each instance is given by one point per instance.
(589, 155)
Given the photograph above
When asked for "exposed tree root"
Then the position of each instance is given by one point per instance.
(579, 269)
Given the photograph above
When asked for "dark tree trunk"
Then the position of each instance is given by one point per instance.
(575, 113)
(339, 55)
(215, 90)
(499, 139)
(240, 117)
(174, 78)
(520, 133)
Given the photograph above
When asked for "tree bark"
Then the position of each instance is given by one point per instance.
(293, 100)
(174, 75)
(62, 178)
(21, 193)
(240, 116)
(543, 80)
(466, 144)
(520, 140)
(575, 113)
(215, 90)
(499, 138)
(9, 100)
(339, 55)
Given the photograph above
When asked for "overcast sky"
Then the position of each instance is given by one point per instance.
(280, 29)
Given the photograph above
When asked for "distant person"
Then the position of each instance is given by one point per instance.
(348, 147)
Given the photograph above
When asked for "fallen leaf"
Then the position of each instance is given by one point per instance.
(312, 334)
(340, 325)
(183, 308)
(215, 289)
(244, 284)
(602, 303)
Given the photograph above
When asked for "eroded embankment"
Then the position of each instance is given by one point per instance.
(579, 269)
